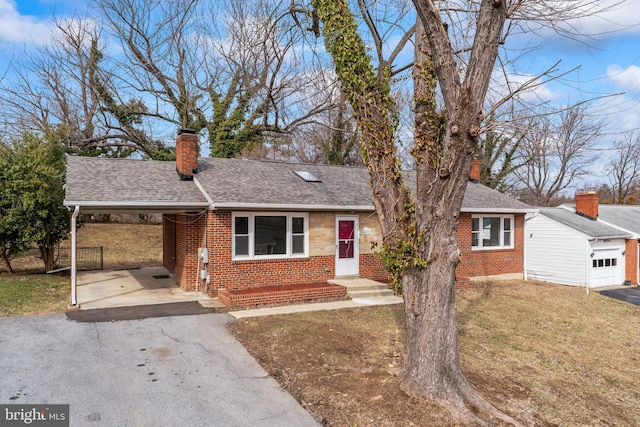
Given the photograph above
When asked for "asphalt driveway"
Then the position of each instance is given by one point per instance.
(627, 294)
(163, 371)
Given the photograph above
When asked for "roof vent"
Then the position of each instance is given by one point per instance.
(307, 176)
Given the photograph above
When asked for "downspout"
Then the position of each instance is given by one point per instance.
(525, 276)
(74, 281)
(589, 261)
(198, 269)
(205, 260)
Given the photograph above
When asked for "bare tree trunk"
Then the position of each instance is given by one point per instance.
(432, 366)
(5, 258)
(48, 256)
(444, 151)
(419, 240)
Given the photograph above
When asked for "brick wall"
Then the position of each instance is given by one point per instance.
(491, 262)
(372, 267)
(189, 237)
(631, 261)
(169, 242)
(319, 266)
(275, 295)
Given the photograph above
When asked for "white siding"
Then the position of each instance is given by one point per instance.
(555, 253)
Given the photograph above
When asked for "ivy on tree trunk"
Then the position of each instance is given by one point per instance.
(419, 230)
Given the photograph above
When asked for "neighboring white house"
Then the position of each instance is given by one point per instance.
(574, 248)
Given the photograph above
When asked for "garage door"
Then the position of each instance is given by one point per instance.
(607, 268)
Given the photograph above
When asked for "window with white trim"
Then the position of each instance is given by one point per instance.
(491, 231)
(270, 235)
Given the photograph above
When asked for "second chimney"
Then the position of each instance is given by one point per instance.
(587, 204)
(187, 154)
(474, 175)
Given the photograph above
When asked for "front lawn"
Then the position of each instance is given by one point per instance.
(548, 355)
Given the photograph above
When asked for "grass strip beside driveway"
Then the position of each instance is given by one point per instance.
(23, 295)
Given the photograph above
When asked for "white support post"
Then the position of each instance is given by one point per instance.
(74, 217)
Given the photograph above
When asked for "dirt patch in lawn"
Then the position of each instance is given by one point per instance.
(547, 355)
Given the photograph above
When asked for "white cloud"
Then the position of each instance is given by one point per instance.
(622, 113)
(627, 79)
(16, 28)
(617, 18)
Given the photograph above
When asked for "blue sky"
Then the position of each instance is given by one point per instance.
(609, 62)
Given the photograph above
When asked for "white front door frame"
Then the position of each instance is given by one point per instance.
(347, 255)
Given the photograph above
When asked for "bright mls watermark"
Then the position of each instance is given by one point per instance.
(34, 415)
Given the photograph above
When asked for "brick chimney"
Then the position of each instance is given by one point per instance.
(187, 154)
(587, 204)
(474, 176)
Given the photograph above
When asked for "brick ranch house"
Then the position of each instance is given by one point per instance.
(277, 230)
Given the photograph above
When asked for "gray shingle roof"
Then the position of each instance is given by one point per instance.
(237, 184)
(627, 217)
(480, 198)
(119, 184)
(587, 226)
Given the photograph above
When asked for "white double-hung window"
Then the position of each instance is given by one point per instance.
(491, 231)
(270, 235)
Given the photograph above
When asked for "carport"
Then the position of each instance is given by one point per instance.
(133, 287)
(91, 189)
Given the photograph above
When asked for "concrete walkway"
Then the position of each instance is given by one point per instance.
(298, 308)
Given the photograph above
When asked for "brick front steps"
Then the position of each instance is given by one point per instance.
(286, 294)
(463, 282)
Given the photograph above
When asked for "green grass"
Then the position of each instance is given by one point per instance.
(23, 295)
(125, 246)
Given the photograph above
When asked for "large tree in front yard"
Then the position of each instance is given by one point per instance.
(419, 227)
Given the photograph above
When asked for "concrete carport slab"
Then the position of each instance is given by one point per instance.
(167, 371)
(134, 287)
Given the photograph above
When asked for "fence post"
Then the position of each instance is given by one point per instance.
(101, 258)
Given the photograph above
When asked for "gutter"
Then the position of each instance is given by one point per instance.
(499, 210)
(294, 207)
(588, 263)
(524, 244)
(129, 204)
